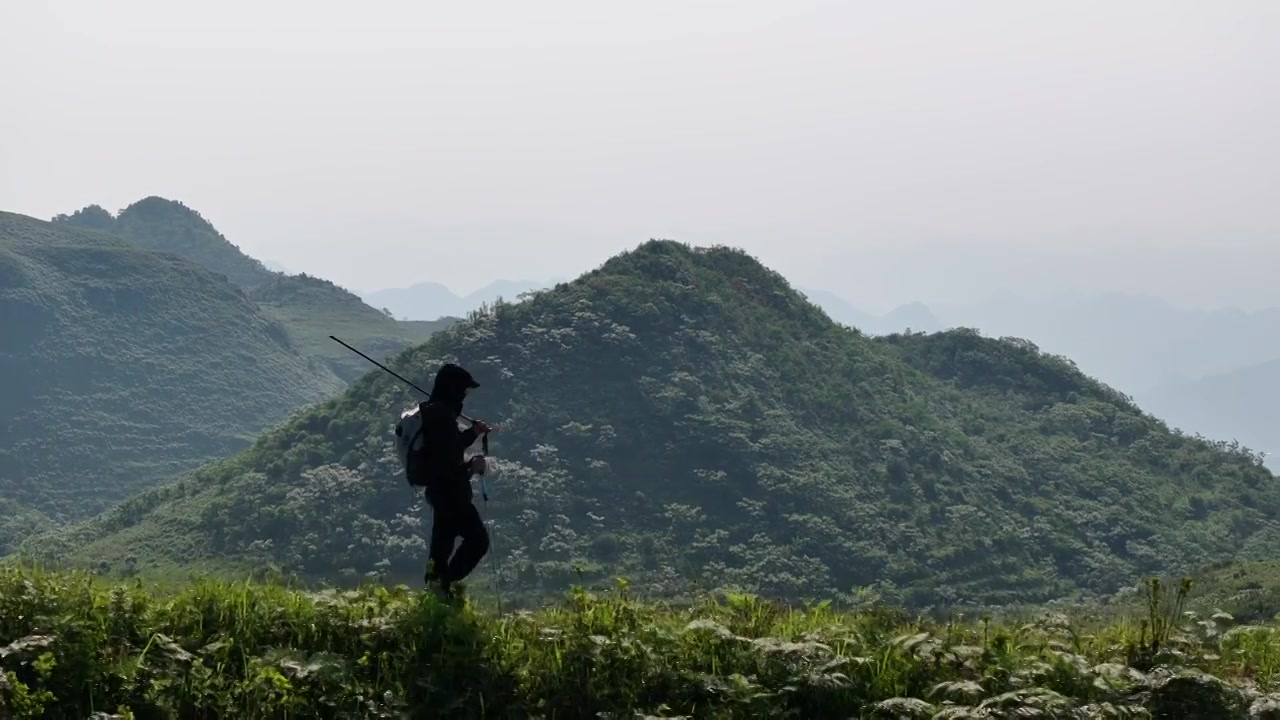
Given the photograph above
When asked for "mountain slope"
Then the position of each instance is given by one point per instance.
(432, 300)
(123, 366)
(683, 415)
(313, 309)
(1242, 405)
(18, 522)
(156, 223)
(310, 308)
(841, 310)
(1133, 342)
(914, 316)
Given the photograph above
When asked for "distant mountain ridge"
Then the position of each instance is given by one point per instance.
(1242, 404)
(157, 223)
(915, 317)
(433, 300)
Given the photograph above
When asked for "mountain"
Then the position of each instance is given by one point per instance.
(313, 309)
(156, 223)
(683, 416)
(432, 300)
(1204, 371)
(912, 316)
(1133, 342)
(841, 310)
(18, 522)
(124, 366)
(1241, 405)
(310, 308)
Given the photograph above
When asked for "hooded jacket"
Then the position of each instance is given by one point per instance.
(445, 473)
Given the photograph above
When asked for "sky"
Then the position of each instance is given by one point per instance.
(890, 152)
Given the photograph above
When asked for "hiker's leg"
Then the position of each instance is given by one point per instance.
(475, 541)
(444, 530)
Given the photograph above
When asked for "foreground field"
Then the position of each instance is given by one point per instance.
(72, 646)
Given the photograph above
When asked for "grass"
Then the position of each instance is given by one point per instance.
(72, 645)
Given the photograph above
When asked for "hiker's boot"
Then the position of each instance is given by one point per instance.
(440, 589)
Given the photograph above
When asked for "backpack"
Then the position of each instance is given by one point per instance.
(410, 446)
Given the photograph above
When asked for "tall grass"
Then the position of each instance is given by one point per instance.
(72, 645)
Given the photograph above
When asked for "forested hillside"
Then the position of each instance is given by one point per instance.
(684, 417)
(18, 522)
(314, 308)
(123, 366)
(310, 308)
(156, 223)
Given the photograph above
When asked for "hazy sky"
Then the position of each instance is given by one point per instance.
(383, 143)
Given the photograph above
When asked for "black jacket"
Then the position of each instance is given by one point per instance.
(444, 471)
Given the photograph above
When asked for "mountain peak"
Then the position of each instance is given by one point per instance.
(161, 333)
(157, 223)
(93, 217)
(156, 209)
(703, 267)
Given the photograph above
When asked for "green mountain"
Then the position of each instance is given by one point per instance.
(156, 223)
(310, 308)
(18, 522)
(1137, 343)
(682, 416)
(313, 309)
(122, 367)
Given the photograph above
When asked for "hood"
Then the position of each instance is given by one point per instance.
(451, 384)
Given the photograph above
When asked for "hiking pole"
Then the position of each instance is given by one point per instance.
(493, 561)
(484, 453)
(380, 365)
(406, 382)
(493, 550)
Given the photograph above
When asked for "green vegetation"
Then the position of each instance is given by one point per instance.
(310, 308)
(313, 309)
(1248, 590)
(168, 366)
(155, 223)
(18, 522)
(73, 646)
(683, 418)
(125, 367)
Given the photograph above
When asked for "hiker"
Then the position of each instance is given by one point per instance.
(447, 478)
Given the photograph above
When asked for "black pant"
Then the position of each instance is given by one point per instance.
(455, 516)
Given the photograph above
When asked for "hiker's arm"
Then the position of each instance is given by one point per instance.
(467, 437)
(442, 432)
